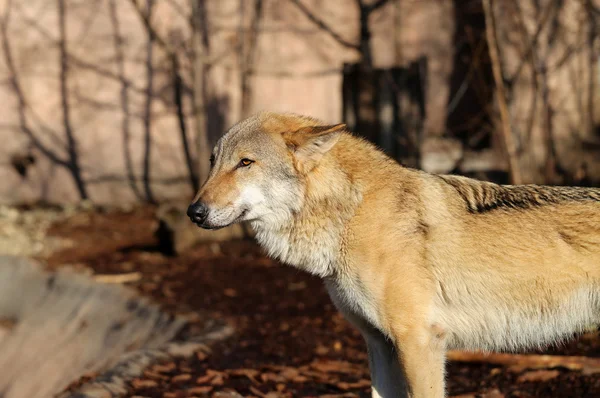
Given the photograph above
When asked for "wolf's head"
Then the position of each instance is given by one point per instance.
(258, 169)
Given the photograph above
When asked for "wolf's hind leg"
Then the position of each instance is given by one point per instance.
(387, 378)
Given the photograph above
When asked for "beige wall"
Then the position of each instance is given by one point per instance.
(297, 69)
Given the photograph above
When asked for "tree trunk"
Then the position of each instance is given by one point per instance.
(72, 149)
(200, 49)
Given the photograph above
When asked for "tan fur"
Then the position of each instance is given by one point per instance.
(419, 263)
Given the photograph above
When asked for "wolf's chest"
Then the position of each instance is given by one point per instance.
(316, 254)
(353, 299)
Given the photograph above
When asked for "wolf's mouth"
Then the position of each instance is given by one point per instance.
(215, 227)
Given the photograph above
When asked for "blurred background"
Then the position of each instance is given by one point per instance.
(111, 108)
(121, 101)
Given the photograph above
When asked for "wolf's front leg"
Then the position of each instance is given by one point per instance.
(422, 354)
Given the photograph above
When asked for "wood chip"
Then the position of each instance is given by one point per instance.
(227, 394)
(200, 390)
(143, 383)
(256, 392)
(495, 393)
(538, 376)
(342, 385)
(164, 368)
(155, 375)
(204, 379)
(181, 378)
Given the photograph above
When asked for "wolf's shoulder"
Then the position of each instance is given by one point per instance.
(481, 196)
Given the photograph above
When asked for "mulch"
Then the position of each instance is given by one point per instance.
(289, 341)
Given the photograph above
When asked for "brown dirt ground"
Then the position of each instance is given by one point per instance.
(290, 341)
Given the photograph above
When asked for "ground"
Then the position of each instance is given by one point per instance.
(289, 341)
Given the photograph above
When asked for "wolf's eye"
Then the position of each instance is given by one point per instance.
(245, 162)
(212, 160)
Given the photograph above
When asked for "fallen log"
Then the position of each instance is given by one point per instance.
(519, 362)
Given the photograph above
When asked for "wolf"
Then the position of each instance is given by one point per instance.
(419, 263)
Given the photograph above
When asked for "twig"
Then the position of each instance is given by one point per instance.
(509, 143)
(118, 278)
(376, 5)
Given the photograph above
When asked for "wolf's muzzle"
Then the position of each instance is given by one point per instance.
(198, 212)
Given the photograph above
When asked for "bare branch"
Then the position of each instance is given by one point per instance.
(529, 52)
(322, 25)
(376, 5)
(281, 73)
(154, 36)
(166, 46)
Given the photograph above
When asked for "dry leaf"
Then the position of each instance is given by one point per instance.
(181, 378)
(200, 390)
(143, 383)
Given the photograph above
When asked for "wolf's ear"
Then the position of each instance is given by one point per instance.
(309, 144)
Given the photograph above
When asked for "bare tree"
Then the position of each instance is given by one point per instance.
(70, 161)
(147, 118)
(507, 134)
(200, 45)
(179, 90)
(124, 96)
(248, 50)
(549, 63)
(66, 106)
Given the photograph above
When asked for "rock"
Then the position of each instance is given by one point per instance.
(227, 394)
(176, 233)
(440, 155)
(24, 233)
(48, 317)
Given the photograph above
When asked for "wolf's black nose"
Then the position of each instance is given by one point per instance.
(197, 212)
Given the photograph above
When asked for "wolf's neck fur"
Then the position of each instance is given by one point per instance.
(312, 237)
